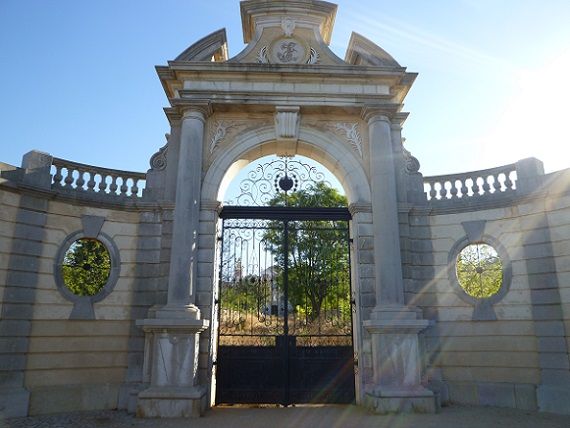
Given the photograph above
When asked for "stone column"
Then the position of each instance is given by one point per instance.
(172, 336)
(393, 327)
(184, 252)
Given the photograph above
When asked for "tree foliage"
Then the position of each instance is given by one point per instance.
(318, 259)
(479, 270)
(86, 267)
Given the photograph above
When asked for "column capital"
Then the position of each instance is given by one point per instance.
(200, 111)
(373, 114)
(210, 205)
(360, 207)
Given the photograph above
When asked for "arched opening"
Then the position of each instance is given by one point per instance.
(284, 300)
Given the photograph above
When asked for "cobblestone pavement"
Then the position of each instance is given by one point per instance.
(302, 416)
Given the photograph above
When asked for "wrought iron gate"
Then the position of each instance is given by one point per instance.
(285, 307)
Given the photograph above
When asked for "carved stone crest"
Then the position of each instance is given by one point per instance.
(288, 26)
(289, 50)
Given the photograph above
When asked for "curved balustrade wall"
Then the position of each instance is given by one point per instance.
(71, 176)
(477, 184)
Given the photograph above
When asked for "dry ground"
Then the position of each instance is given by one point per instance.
(304, 416)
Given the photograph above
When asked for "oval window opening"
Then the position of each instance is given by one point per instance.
(86, 267)
(479, 270)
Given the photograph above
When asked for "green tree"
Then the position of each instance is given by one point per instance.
(318, 259)
(479, 270)
(86, 267)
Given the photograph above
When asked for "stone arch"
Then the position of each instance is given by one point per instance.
(329, 150)
(333, 154)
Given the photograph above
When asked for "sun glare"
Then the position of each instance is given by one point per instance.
(533, 123)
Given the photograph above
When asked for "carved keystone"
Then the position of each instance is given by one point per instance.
(287, 120)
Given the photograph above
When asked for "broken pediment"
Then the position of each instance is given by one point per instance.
(293, 32)
(213, 47)
(362, 51)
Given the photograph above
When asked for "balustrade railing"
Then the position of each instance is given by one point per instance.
(78, 177)
(475, 185)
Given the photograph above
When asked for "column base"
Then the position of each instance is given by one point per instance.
(14, 402)
(419, 400)
(172, 402)
(553, 398)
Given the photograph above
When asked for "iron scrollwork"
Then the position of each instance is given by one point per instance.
(282, 175)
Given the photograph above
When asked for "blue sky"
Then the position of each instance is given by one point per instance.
(78, 80)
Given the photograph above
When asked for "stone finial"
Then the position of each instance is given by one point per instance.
(287, 120)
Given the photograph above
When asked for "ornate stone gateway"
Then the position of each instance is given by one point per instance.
(285, 303)
(286, 93)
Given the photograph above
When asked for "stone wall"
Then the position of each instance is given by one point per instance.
(520, 359)
(50, 362)
(513, 355)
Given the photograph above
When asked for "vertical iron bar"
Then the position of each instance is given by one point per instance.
(286, 309)
(219, 305)
(353, 307)
(221, 276)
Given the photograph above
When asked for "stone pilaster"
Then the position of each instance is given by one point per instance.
(172, 336)
(393, 327)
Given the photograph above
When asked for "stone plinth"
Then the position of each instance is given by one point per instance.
(171, 365)
(396, 360)
(172, 402)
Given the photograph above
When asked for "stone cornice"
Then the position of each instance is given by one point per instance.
(398, 75)
(377, 84)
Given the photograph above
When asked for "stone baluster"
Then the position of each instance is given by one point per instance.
(124, 187)
(508, 182)
(57, 177)
(103, 184)
(114, 186)
(135, 188)
(432, 192)
(393, 327)
(464, 188)
(68, 178)
(80, 182)
(91, 182)
(454, 190)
